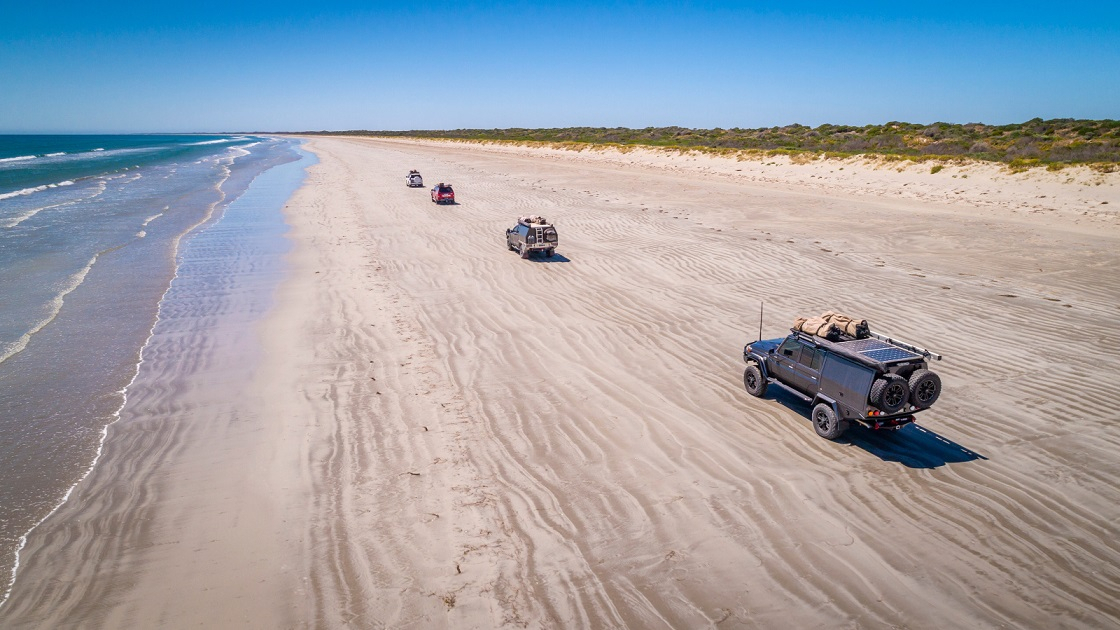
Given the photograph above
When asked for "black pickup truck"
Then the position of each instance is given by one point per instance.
(878, 382)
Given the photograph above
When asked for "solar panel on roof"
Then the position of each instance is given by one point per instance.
(890, 354)
(861, 345)
(879, 350)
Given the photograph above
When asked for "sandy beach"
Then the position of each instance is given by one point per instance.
(426, 431)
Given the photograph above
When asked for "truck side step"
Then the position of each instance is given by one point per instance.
(774, 381)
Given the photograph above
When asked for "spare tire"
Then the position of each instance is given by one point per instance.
(890, 393)
(925, 387)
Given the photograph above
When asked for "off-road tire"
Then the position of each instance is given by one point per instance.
(890, 393)
(754, 381)
(549, 252)
(925, 387)
(825, 422)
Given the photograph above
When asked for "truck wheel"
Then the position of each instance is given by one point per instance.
(890, 393)
(549, 252)
(826, 424)
(753, 380)
(925, 387)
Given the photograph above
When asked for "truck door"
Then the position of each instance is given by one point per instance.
(807, 370)
(788, 367)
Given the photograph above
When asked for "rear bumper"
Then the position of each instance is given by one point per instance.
(888, 424)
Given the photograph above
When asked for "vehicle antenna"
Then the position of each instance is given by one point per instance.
(761, 305)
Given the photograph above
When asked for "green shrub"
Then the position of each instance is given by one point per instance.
(1064, 141)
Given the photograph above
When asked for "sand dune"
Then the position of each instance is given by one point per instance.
(440, 434)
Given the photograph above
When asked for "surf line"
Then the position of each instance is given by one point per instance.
(211, 218)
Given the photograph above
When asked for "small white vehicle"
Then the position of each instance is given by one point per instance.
(413, 180)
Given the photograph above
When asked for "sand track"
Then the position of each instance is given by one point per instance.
(624, 478)
(475, 440)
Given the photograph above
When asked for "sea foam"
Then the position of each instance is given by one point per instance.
(31, 191)
(223, 141)
(55, 306)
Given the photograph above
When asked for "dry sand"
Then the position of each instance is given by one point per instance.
(432, 432)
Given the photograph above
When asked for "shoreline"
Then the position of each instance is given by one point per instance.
(438, 433)
(214, 216)
(207, 216)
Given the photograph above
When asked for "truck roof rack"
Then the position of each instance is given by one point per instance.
(929, 354)
(872, 356)
(839, 348)
(532, 220)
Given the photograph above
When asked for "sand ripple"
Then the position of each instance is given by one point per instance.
(481, 441)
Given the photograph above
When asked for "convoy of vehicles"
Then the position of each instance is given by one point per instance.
(847, 373)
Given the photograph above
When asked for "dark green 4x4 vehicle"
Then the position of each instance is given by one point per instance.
(876, 381)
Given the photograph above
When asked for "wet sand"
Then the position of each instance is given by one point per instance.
(427, 431)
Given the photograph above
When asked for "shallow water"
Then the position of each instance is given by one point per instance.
(83, 270)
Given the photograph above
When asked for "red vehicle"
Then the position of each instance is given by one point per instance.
(442, 193)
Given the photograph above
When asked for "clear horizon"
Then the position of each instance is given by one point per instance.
(211, 67)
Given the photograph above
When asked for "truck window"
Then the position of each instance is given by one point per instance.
(811, 357)
(791, 348)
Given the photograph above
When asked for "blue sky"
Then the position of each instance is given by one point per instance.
(275, 66)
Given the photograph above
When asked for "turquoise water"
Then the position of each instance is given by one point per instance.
(90, 243)
(30, 163)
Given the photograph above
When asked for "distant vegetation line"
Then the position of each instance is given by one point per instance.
(1054, 143)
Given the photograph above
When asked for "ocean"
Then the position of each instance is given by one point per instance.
(101, 237)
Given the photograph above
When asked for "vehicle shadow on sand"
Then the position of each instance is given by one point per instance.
(912, 446)
(555, 258)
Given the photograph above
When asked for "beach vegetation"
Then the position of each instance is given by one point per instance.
(1036, 142)
(936, 168)
(1019, 165)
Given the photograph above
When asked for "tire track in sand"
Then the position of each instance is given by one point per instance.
(624, 478)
